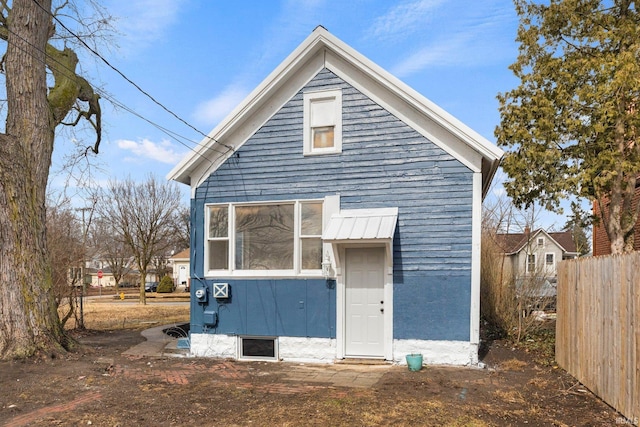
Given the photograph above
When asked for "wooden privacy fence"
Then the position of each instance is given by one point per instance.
(598, 327)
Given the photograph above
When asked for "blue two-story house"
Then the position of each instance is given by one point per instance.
(336, 214)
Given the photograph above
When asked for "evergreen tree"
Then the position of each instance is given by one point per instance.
(571, 125)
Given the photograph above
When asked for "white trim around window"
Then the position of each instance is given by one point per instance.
(550, 259)
(264, 239)
(530, 261)
(322, 122)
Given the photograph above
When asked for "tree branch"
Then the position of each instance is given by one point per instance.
(68, 87)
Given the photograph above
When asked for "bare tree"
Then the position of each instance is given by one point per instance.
(29, 320)
(177, 240)
(142, 216)
(182, 229)
(66, 253)
(112, 249)
(507, 295)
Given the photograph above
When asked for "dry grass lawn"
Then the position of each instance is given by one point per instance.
(112, 315)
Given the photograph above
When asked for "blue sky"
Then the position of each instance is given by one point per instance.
(200, 58)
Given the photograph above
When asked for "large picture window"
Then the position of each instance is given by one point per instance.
(284, 237)
(264, 237)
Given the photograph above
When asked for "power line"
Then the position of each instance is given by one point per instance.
(128, 79)
(62, 68)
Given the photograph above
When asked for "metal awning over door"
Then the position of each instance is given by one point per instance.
(362, 225)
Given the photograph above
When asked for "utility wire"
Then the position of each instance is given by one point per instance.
(128, 79)
(63, 69)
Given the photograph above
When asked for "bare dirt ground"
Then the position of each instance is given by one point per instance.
(96, 385)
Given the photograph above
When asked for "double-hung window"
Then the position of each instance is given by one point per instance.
(282, 238)
(550, 262)
(550, 259)
(322, 122)
(218, 237)
(531, 263)
(311, 235)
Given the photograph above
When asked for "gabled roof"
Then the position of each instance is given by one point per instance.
(323, 50)
(565, 240)
(182, 255)
(512, 243)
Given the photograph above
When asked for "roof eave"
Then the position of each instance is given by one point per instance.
(190, 166)
(185, 168)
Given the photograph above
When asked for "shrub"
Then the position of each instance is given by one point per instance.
(165, 285)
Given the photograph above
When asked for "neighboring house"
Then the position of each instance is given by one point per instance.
(336, 214)
(601, 242)
(93, 279)
(180, 263)
(535, 255)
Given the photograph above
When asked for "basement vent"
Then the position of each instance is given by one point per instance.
(258, 348)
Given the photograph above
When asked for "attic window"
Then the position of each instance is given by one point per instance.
(323, 122)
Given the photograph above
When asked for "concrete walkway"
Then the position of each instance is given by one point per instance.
(157, 344)
(351, 374)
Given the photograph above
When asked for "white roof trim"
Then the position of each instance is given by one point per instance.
(322, 49)
(362, 225)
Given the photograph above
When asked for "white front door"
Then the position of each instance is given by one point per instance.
(182, 275)
(364, 302)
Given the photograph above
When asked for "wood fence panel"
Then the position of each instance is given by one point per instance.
(598, 327)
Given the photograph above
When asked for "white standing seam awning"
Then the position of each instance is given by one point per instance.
(362, 225)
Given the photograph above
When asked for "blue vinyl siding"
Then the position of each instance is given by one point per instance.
(384, 163)
(285, 307)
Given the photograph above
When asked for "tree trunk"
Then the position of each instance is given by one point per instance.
(28, 319)
(143, 280)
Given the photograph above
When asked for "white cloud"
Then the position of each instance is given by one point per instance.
(293, 21)
(212, 111)
(142, 22)
(448, 52)
(159, 151)
(480, 40)
(404, 18)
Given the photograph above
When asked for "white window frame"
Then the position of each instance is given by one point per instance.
(231, 271)
(309, 98)
(550, 267)
(553, 256)
(526, 263)
(301, 236)
(276, 348)
(208, 238)
(540, 241)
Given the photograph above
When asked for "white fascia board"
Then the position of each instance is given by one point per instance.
(247, 120)
(264, 101)
(411, 107)
(528, 242)
(322, 49)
